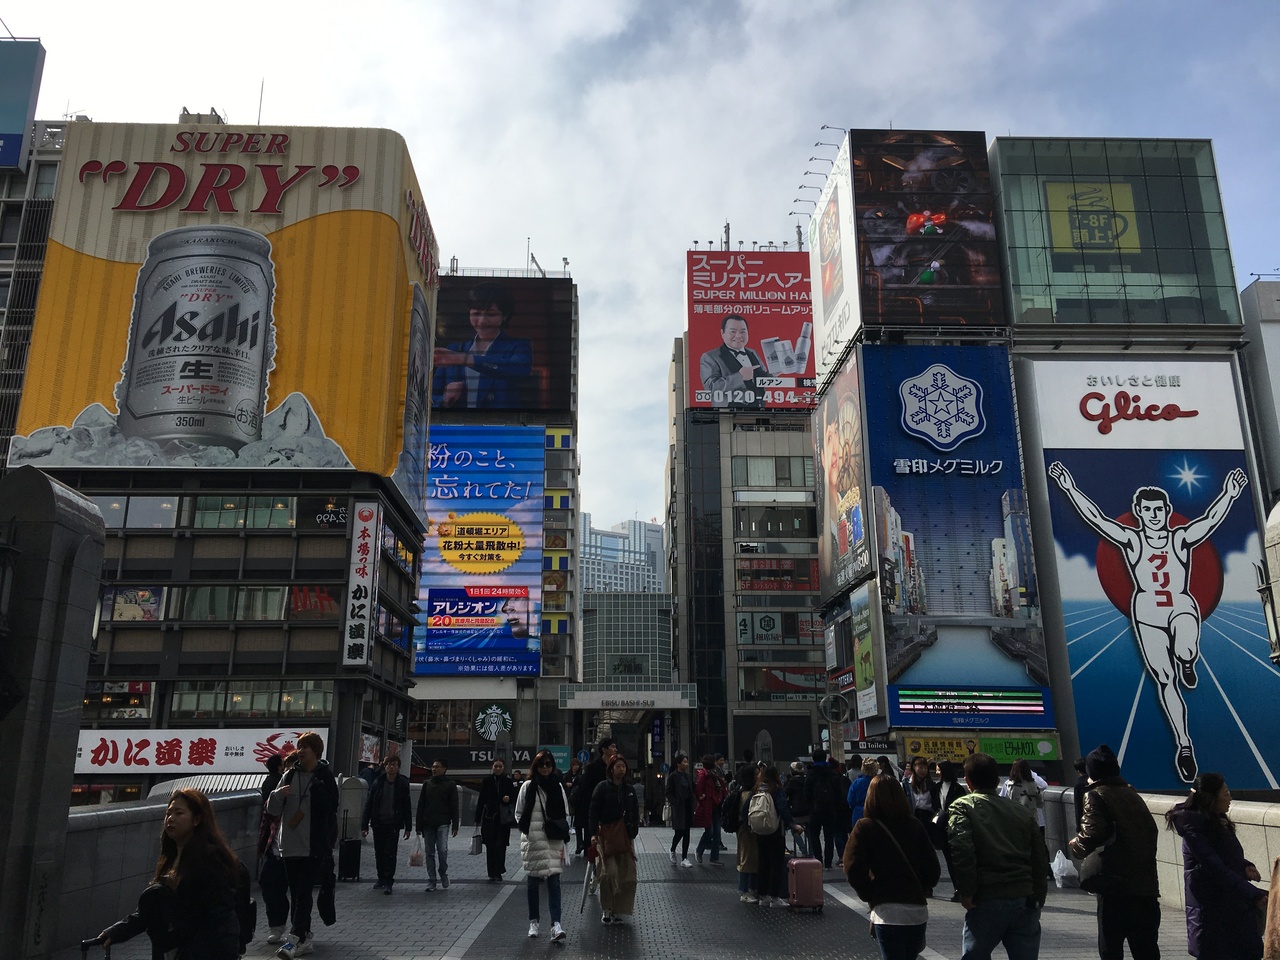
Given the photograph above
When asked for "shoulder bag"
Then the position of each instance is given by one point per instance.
(905, 859)
(557, 829)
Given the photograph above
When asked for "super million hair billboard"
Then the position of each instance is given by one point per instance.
(233, 297)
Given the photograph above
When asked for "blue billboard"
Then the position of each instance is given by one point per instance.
(481, 589)
(21, 66)
(963, 640)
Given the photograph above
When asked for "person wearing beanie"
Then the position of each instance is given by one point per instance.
(1119, 830)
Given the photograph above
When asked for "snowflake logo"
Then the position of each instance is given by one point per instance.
(941, 407)
(492, 721)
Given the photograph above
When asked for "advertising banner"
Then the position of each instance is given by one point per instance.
(844, 543)
(960, 643)
(750, 330)
(481, 585)
(836, 314)
(186, 751)
(1155, 546)
(233, 297)
(869, 701)
(504, 344)
(925, 221)
(362, 585)
(21, 67)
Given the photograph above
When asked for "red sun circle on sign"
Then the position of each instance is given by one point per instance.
(1206, 570)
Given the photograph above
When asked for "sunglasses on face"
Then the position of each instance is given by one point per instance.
(546, 763)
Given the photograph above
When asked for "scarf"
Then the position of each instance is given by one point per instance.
(548, 790)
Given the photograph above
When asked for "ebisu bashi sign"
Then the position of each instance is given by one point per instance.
(233, 297)
(1155, 543)
(481, 585)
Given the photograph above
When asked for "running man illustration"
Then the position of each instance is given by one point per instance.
(1164, 615)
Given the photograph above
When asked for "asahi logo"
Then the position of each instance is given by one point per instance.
(224, 327)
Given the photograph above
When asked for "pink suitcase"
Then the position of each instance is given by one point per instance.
(804, 884)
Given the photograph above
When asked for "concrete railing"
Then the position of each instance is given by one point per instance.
(1257, 827)
(111, 855)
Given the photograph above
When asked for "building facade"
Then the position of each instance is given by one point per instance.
(628, 557)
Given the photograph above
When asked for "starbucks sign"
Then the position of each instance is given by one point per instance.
(493, 721)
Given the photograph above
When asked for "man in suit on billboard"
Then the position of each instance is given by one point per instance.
(729, 372)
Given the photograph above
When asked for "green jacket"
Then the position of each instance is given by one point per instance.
(997, 849)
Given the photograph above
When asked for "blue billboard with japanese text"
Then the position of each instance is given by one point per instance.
(481, 587)
(21, 66)
(963, 638)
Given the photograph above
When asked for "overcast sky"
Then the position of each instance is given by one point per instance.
(614, 133)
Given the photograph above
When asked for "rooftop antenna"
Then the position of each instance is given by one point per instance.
(536, 265)
(7, 30)
(726, 234)
(261, 88)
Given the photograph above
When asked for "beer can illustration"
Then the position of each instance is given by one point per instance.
(201, 340)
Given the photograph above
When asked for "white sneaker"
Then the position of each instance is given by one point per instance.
(557, 931)
(533, 928)
(674, 861)
(749, 898)
(276, 934)
(305, 947)
(685, 862)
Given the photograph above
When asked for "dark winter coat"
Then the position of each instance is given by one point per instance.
(822, 789)
(708, 794)
(876, 869)
(680, 796)
(402, 806)
(612, 802)
(489, 806)
(1117, 818)
(197, 918)
(1222, 906)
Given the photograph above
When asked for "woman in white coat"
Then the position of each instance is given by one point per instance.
(541, 804)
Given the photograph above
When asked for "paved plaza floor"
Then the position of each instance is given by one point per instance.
(681, 914)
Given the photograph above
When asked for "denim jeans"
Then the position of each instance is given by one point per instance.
(1011, 922)
(710, 839)
(899, 942)
(746, 883)
(553, 896)
(437, 844)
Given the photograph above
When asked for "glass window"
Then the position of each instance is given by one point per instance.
(156, 513)
(112, 509)
(271, 513)
(247, 699)
(220, 513)
(198, 699)
(307, 698)
(117, 700)
(46, 177)
(207, 603)
(322, 513)
(10, 219)
(760, 472)
(133, 604)
(739, 472)
(260, 603)
(314, 603)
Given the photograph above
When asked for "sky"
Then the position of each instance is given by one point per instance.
(615, 133)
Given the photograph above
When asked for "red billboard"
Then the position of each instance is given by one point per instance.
(750, 330)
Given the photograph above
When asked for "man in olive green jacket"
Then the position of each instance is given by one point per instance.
(1001, 866)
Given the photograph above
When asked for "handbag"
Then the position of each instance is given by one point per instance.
(612, 839)
(507, 814)
(557, 829)
(416, 855)
(476, 843)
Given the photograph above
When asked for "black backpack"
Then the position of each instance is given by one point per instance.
(826, 795)
(731, 809)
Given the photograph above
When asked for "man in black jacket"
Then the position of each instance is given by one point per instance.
(438, 811)
(388, 810)
(592, 775)
(1116, 820)
(822, 790)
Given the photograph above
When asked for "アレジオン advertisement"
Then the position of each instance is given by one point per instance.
(481, 586)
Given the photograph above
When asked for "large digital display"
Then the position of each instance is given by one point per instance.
(1155, 546)
(962, 640)
(234, 298)
(481, 588)
(750, 330)
(844, 541)
(926, 229)
(504, 343)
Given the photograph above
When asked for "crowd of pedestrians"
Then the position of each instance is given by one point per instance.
(884, 830)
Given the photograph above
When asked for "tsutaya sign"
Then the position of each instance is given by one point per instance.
(673, 699)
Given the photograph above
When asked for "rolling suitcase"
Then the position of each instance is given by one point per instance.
(349, 860)
(804, 884)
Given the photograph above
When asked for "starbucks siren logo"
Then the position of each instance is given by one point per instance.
(493, 721)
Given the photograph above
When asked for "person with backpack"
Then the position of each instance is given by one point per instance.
(799, 805)
(822, 791)
(733, 819)
(709, 793)
(1026, 787)
(197, 905)
(768, 815)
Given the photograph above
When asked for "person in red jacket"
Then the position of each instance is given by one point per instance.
(708, 794)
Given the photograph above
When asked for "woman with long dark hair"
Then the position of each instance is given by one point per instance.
(542, 811)
(1222, 906)
(613, 825)
(771, 848)
(679, 792)
(890, 863)
(190, 906)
